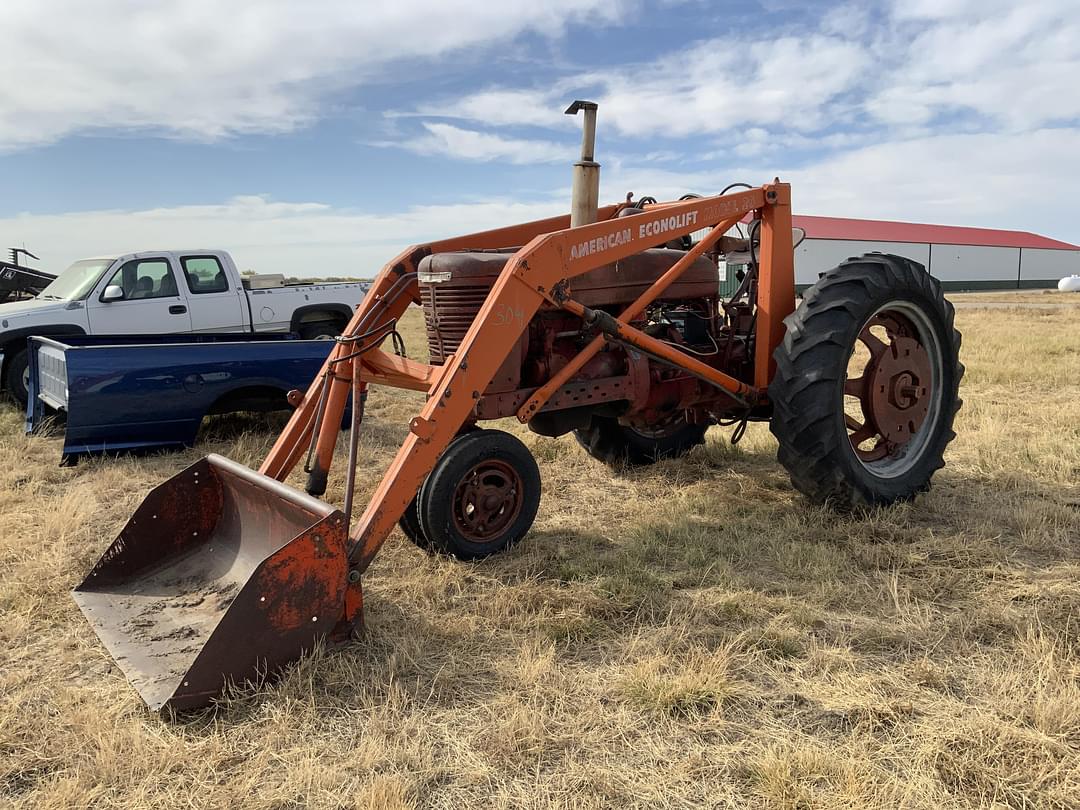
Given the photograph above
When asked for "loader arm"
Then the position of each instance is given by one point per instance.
(386, 301)
(542, 270)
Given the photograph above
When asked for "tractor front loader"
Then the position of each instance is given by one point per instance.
(607, 323)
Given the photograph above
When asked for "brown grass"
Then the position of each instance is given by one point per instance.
(997, 297)
(688, 635)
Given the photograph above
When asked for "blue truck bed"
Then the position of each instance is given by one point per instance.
(151, 392)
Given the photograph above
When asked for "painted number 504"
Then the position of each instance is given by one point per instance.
(505, 314)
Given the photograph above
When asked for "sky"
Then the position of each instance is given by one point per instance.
(322, 137)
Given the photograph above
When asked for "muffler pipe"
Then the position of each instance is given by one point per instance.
(585, 199)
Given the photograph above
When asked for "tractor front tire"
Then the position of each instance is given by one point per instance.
(866, 384)
(481, 497)
(612, 443)
(409, 523)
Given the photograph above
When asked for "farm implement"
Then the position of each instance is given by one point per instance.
(607, 324)
(18, 281)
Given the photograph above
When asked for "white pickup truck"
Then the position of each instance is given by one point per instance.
(163, 292)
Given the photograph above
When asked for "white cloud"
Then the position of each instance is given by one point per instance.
(499, 107)
(1016, 65)
(947, 9)
(977, 179)
(207, 69)
(304, 239)
(952, 111)
(988, 179)
(849, 20)
(467, 144)
(715, 86)
(969, 65)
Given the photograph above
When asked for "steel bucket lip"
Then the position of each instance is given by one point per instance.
(209, 611)
(294, 496)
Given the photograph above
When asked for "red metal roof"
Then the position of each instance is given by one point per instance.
(875, 230)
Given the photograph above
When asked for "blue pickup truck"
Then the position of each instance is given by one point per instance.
(151, 392)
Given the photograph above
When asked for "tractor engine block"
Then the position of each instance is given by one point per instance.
(616, 382)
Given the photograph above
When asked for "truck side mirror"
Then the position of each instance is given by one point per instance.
(114, 292)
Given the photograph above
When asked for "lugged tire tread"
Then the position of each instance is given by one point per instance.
(811, 359)
(608, 441)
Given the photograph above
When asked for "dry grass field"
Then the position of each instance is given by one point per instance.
(692, 634)
(1021, 297)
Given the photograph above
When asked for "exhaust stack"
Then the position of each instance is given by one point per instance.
(586, 188)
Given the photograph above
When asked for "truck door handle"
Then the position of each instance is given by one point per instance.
(177, 309)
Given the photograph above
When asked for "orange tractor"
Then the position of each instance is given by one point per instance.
(607, 323)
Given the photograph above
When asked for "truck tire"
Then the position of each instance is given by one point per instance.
(321, 330)
(16, 376)
(608, 441)
(866, 384)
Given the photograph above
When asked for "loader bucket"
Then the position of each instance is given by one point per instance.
(221, 575)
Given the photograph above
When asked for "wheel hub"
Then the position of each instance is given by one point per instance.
(487, 500)
(899, 388)
(894, 390)
(661, 427)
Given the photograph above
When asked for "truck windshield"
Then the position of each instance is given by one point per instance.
(75, 282)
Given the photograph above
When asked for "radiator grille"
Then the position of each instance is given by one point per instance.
(449, 311)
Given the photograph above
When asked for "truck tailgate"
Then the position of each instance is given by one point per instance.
(51, 359)
(152, 392)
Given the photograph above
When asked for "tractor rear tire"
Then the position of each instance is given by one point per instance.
(612, 443)
(481, 497)
(857, 432)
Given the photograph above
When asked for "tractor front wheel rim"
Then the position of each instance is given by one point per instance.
(488, 500)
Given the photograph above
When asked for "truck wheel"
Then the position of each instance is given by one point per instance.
(608, 441)
(323, 330)
(17, 376)
(482, 495)
(866, 384)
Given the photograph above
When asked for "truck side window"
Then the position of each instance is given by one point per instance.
(145, 278)
(204, 274)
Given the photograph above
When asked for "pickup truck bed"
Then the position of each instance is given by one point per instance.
(131, 392)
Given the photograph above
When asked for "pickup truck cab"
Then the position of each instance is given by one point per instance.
(163, 292)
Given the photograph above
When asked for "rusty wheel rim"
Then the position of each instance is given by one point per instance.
(488, 500)
(891, 392)
(668, 426)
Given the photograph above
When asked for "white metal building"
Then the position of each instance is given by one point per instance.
(961, 258)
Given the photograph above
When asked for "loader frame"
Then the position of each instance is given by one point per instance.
(542, 271)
